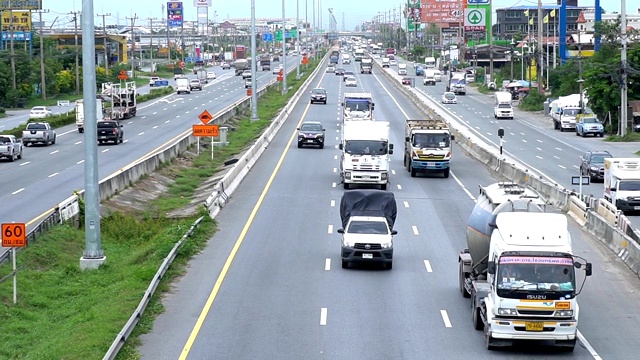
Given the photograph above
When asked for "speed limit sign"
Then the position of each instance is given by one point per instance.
(14, 235)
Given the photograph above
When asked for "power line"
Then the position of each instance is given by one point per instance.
(133, 43)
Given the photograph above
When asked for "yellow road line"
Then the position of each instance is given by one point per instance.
(236, 247)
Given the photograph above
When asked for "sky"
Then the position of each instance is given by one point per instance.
(355, 11)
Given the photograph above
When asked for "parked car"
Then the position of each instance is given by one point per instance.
(38, 133)
(39, 112)
(195, 84)
(449, 98)
(311, 133)
(586, 125)
(152, 80)
(110, 131)
(10, 147)
(351, 81)
(592, 164)
(319, 95)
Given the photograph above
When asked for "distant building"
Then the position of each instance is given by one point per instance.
(633, 20)
(513, 20)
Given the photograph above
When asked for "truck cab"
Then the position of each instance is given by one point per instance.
(357, 106)
(564, 112)
(427, 147)
(622, 183)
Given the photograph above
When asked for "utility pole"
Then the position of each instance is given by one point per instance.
(13, 54)
(151, 42)
(297, 39)
(540, 47)
(133, 44)
(104, 42)
(75, 33)
(623, 60)
(284, 53)
(43, 84)
(254, 64)
(313, 27)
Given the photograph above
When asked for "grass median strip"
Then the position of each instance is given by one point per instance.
(64, 313)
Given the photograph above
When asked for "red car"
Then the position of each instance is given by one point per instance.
(406, 81)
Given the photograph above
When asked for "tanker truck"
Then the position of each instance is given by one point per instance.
(519, 270)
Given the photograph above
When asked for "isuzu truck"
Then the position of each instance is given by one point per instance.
(366, 153)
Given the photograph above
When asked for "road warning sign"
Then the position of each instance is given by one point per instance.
(123, 75)
(206, 130)
(205, 117)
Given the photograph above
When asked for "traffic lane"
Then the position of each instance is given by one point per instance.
(15, 118)
(172, 328)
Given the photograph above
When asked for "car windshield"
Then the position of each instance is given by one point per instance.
(431, 140)
(351, 79)
(599, 159)
(366, 147)
(319, 91)
(590, 120)
(311, 127)
(5, 140)
(449, 96)
(348, 73)
(536, 273)
(629, 185)
(367, 227)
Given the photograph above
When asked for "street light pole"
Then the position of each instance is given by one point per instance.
(297, 40)
(512, 54)
(254, 67)
(284, 53)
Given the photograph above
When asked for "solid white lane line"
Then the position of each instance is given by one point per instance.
(415, 230)
(406, 204)
(25, 163)
(333, 203)
(53, 152)
(393, 172)
(52, 175)
(105, 150)
(80, 162)
(445, 318)
(17, 191)
(330, 229)
(588, 346)
(142, 133)
(327, 264)
(77, 142)
(463, 187)
(399, 187)
(427, 265)
(335, 170)
(562, 167)
(323, 316)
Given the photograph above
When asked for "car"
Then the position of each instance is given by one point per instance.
(318, 95)
(589, 124)
(247, 83)
(246, 74)
(449, 98)
(276, 70)
(331, 68)
(351, 81)
(311, 133)
(195, 84)
(419, 71)
(39, 112)
(347, 74)
(179, 76)
(592, 164)
(110, 131)
(152, 80)
(393, 62)
(211, 75)
(339, 71)
(225, 66)
(39, 133)
(407, 81)
(437, 75)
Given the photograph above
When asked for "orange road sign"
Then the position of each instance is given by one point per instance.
(205, 117)
(206, 130)
(279, 78)
(305, 60)
(249, 92)
(123, 75)
(14, 235)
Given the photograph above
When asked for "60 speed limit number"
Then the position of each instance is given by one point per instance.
(14, 235)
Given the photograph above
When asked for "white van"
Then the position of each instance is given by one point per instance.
(346, 59)
(402, 69)
(182, 86)
(437, 74)
(385, 62)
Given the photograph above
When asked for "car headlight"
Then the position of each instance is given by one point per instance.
(564, 313)
(594, 168)
(507, 311)
(388, 245)
(347, 175)
(347, 243)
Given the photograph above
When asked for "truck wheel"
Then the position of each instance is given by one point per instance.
(446, 173)
(475, 317)
(413, 171)
(345, 264)
(81, 131)
(461, 279)
(561, 129)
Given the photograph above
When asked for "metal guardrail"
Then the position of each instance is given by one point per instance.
(126, 331)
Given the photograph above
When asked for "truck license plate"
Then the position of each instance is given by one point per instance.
(365, 177)
(534, 326)
(636, 208)
(103, 137)
(367, 256)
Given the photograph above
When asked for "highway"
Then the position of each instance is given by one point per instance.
(47, 175)
(269, 285)
(16, 117)
(529, 138)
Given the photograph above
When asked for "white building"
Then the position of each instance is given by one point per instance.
(633, 20)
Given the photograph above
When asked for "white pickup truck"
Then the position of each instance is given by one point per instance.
(38, 133)
(10, 147)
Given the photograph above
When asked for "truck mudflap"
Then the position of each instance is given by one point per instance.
(464, 270)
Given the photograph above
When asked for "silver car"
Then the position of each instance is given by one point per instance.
(449, 98)
(351, 81)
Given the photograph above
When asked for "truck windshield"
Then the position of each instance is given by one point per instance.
(504, 106)
(571, 112)
(357, 105)
(431, 140)
(367, 227)
(366, 147)
(629, 185)
(535, 273)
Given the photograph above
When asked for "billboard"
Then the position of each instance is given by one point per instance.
(21, 21)
(413, 13)
(175, 14)
(21, 4)
(443, 11)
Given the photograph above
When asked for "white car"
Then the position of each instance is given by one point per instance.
(449, 98)
(39, 112)
(393, 62)
(438, 75)
(152, 80)
(351, 81)
(276, 70)
(211, 75)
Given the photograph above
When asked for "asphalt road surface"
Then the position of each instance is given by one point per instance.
(47, 175)
(269, 285)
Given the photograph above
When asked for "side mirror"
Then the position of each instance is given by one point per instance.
(298, 129)
(453, 137)
(340, 147)
(323, 130)
(588, 269)
(340, 231)
(491, 267)
(394, 232)
(406, 138)
(342, 104)
(121, 125)
(390, 151)
(493, 225)
(391, 146)
(373, 105)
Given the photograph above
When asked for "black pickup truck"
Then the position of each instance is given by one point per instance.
(110, 131)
